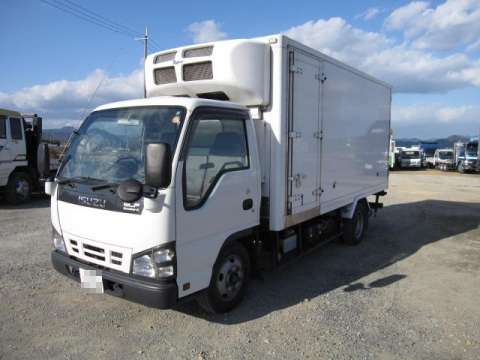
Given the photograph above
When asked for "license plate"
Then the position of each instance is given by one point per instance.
(91, 280)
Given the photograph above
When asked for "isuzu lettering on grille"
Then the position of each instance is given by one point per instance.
(92, 202)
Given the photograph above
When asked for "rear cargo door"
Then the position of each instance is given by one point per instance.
(304, 132)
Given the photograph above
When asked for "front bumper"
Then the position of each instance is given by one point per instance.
(470, 165)
(156, 294)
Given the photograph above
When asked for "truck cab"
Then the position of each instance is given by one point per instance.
(410, 158)
(443, 159)
(466, 156)
(215, 177)
(18, 141)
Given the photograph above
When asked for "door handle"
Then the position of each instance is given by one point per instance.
(247, 204)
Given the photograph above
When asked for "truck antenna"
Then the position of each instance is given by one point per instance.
(144, 38)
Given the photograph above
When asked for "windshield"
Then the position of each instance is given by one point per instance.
(411, 155)
(472, 149)
(110, 144)
(445, 155)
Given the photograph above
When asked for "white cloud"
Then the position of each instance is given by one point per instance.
(206, 31)
(406, 67)
(435, 120)
(66, 101)
(452, 24)
(435, 113)
(369, 14)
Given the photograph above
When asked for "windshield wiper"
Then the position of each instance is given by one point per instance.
(77, 179)
(104, 186)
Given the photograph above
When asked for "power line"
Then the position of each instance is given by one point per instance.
(92, 17)
(82, 15)
(100, 17)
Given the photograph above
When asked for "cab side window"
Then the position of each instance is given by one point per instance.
(215, 146)
(16, 129)
(3, 127)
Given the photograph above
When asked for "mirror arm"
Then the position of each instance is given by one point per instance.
(149, 191)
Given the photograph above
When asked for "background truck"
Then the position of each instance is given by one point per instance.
(391, 154)
(245, 154)
(466, 155)
(20, 136)
(428, 149)
(443, 159)
(410, 157)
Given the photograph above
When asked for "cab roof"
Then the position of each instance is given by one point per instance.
(188, 103)
(5, 112)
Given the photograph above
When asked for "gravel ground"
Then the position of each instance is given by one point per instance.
(410, 290)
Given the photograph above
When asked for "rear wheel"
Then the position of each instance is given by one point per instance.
(229, 280)
(354, 229)
(19, 188)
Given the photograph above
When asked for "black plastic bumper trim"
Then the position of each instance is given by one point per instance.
(160, 295)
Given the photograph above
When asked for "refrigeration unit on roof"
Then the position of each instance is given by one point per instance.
(235, 70)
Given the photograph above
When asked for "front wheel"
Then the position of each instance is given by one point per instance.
(355, 228)
(19, 188)
(229, 280)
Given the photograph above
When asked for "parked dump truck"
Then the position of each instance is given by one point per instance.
(20, 136)
(466, 156)
(245, 154)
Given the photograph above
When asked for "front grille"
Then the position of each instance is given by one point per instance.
(197, 71)
(101, 254)
(164, 57)
(165, 75)
(202, 51)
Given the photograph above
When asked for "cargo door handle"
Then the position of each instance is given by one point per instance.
(247, 204)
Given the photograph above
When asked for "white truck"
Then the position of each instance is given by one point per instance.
(443, 159)
(20, 136)
(244, 154)
(409, 157)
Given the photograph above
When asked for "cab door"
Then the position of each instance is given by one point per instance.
(6, 161)
(217, 191)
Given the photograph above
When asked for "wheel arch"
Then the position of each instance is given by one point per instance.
(348, 210)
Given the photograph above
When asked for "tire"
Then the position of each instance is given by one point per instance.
(19, 188)
(232, 266)
(355, 228)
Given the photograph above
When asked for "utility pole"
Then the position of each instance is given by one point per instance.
(144, 38)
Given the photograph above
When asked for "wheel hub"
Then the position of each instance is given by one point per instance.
(22, 188)
(230, 277)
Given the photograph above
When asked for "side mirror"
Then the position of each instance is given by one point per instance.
(158, 164)
(43, 161)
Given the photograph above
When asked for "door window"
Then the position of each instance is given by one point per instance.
(3, 127)
(216, 145)
(16, 129)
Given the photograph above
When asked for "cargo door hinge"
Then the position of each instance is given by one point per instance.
(294, 134)
(318, 135)
(317, 192)
(323, 78)
(296, 69)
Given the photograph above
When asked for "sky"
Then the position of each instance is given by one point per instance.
(61, 67)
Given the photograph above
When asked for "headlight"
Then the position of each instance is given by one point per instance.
(58, 242)
(163, 256)
(157, 263)
(165, 271)
(143, 266)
